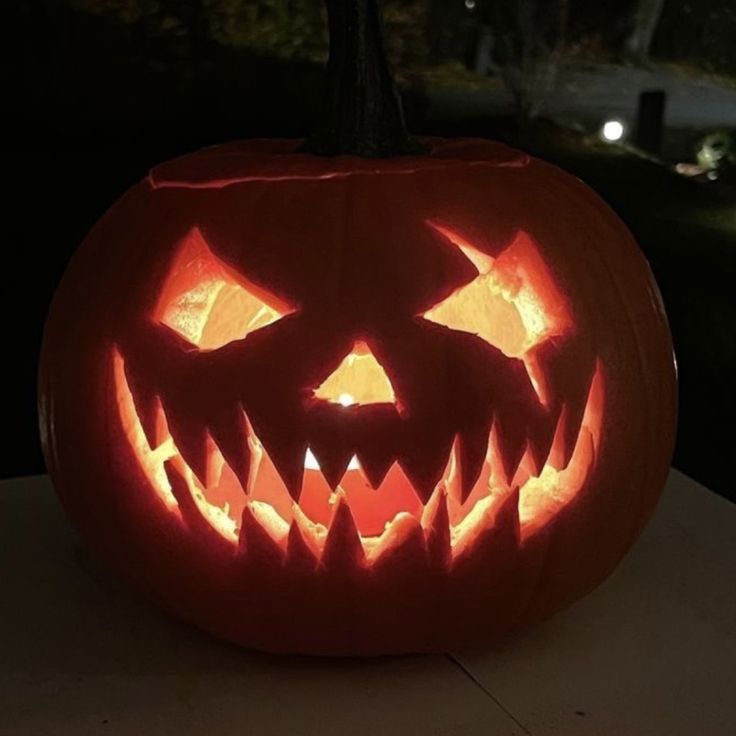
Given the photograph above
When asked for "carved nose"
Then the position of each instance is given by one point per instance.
(359, 379)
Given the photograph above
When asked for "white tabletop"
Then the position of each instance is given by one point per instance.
(652, 652)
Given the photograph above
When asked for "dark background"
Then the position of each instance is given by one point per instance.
(96, 92)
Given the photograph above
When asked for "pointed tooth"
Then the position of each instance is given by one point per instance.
(541, 436)
(503, 540)
(572, 418)
(526, 469)
(507, 521)
(229, 430)
(420, 482)
(425, 465)
(559, 361)
(511, 442)
(568, 367)
(436, 524)
(333, 462)
(215, 463)
(498, 473)
(494, 537)
(152, 352)
(375, 464)
(473, 448)
(179, 486)
(183, 495)
(313, 534)
(402, 545)
(343, 549)
(256, 543)
(190, 437)
(299, 557)
(331, 442)
(451, 480)
(287, 454)
(557, 452)
(189, 499)
(376, 443)
(147, 403)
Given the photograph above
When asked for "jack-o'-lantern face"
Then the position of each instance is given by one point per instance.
(354, 406)
(268, 402)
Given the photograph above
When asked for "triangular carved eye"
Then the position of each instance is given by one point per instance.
(512, 304)
(359, 379)
(208, 304)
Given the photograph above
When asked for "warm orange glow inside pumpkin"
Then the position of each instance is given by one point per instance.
(208, 304)
(512, 304)
(359, 379)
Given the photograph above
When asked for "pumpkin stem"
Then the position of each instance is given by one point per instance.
(362, 112)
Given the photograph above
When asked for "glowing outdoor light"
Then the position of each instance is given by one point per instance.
(613, 131)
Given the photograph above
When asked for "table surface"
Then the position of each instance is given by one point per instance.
(651, 652)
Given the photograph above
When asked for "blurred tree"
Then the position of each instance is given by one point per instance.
(699, 33)
(184, 25)
(289, 29)
(530, 37)
(406, 39)
(645, 22)
(450, 30)
(286, 29)
(600, 28)
(296, 29)
(126, 11)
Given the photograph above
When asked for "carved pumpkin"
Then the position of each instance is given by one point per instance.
(359, 406)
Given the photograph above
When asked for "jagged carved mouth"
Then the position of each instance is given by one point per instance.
(385, 506)
(381, 513)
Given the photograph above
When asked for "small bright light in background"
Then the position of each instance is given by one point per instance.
(470, 4)
(613, 131)
(346, 400)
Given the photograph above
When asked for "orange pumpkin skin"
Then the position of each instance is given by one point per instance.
(339, 252)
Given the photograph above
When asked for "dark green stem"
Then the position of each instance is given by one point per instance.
(362, 112)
